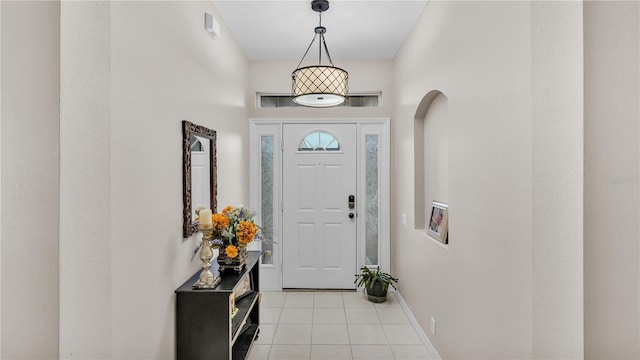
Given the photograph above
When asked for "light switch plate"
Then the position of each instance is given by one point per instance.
(211, 25)
(404, 219)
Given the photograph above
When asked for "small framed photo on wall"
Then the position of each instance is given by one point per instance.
(437, 223)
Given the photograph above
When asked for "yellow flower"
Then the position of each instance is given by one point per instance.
(219, 221)
(246, 232)
(227, 209)
(231, 251)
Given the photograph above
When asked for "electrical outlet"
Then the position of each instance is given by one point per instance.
(433, 325)
(404, 219)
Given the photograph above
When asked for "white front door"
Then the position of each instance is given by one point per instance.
(319, 224)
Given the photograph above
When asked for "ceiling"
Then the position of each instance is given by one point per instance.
(356, 29)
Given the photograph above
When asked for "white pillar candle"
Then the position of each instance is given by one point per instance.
(204, 217)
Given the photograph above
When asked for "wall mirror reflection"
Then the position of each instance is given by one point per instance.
(199, 187)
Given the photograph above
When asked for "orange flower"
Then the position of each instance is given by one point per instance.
(246, 232)
(227, 209)
(231, 251)
(219, 221)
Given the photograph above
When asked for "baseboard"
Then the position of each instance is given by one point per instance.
(433, 353)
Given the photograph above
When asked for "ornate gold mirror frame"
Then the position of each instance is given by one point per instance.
(189, 226)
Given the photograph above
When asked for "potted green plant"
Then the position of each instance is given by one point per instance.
(376, 282)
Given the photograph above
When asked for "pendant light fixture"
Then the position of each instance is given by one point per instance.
(319, 85)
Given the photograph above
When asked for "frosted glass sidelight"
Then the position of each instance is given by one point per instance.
(266, 190)
(371, 200)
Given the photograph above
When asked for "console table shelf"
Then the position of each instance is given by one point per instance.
(205, 327)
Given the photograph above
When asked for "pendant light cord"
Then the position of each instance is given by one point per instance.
(321, 40)
(321, 43)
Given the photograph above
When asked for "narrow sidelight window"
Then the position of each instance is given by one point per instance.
(266, 190)
(371, 200)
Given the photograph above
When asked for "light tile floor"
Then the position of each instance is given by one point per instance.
(334, 325)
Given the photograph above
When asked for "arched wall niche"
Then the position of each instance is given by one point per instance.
(431, 154)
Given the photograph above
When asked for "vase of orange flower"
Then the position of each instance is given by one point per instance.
(234, 230)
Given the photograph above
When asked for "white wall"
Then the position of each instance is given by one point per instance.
(165, 68)
(364, 77)
(611, 250)
(85, 180)
(30, 179)
(1, 171)
(478, 288)
(130, 73)
(557, 152)
(1, 178)
(435, 147)
(482, 289)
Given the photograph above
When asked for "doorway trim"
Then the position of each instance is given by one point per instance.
(271, 274)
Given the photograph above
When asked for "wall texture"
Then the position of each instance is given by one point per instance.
(85, 180)
(557, 75)
(130, 73)
(612, 197)
(478, 288)
(165, 68)
(501, 282)
(30, 179)
(435, 157)
(1, 171)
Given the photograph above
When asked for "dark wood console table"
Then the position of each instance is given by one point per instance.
(205, 328)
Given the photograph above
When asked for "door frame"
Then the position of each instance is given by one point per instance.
(271, 274)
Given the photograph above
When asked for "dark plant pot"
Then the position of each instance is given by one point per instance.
(376, 293)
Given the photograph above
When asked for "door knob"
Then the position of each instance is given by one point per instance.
(351, 216)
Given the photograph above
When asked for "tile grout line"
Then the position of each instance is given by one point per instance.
(346, 323)
(275, 331)
(313, 307)
(385, 334)
(313, 322)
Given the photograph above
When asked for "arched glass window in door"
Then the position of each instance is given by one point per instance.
(319, 141)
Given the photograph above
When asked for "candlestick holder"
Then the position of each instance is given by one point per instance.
(207, 280)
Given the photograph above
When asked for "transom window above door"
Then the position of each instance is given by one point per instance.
(319, 141)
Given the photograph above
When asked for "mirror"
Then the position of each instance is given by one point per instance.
(199, 186)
